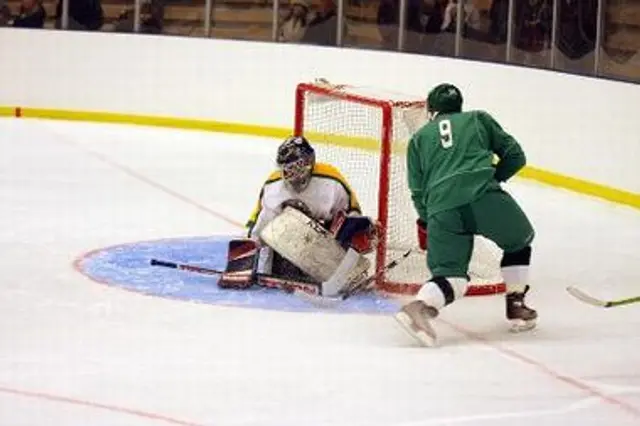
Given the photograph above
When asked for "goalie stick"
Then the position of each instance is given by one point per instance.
(308, 292)
(365, 284)
(586, 298)
(358, 287)
(263, 280)
(185, 267)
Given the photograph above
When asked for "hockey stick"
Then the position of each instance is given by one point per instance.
(366, 283)
(263, 280)
(308, 292)
(358, 287)
(584, 297)
(185, 267)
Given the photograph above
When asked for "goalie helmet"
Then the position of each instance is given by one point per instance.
(296, 159)
(444, 98)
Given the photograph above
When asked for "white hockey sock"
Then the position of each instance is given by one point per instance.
(439, 292)
(516, 277)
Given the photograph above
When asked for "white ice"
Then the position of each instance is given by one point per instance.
(74, 352)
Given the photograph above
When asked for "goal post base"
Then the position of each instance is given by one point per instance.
(410, 289)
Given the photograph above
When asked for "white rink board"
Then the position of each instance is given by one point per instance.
(578, 126)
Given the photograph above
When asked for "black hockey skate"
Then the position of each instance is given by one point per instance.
(521, 317)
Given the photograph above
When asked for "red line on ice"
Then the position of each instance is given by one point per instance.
(90, 404)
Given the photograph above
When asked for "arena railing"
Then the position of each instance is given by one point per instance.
(588, 37)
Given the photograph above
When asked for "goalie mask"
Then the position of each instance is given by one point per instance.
(445, 98)
(296, 159)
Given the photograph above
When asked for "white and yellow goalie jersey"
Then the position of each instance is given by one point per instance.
(327, 194)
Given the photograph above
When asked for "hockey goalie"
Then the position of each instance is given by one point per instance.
(306, 231)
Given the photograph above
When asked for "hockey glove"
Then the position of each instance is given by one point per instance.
(422, 233)
(356, 231)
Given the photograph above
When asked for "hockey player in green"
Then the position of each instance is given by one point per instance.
(455, 187)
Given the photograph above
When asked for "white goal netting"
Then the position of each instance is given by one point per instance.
(364, 132)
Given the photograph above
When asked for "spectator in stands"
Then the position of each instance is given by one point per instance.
(294, 23)
(533, 25)
(418, 17)
(470, 17)
(438, 39)
(84, 15)
(323, 25)
(32, 15)
(578, 22)
(433, 15)
(5, 14)
(499, 16)
(388, 20)
(311, 25)
(151, 18)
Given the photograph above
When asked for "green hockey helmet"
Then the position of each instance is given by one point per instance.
(444, 98)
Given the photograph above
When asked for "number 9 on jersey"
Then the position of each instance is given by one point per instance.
(446, 138)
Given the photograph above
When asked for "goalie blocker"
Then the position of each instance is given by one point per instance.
(297, 247)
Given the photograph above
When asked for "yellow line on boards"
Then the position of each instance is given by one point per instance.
(347, 141)
(7, 111)
(145, 120)
(582, 186)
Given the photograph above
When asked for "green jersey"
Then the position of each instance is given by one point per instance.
(450, 160)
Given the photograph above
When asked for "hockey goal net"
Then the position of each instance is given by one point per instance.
(364, 132)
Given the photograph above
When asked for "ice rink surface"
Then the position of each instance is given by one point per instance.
(76, 352)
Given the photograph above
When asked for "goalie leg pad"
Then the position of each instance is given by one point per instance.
(352, 268)
(241, 257)
(287, 270)
(305, 243)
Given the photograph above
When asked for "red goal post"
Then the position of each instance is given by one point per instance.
(364, 133)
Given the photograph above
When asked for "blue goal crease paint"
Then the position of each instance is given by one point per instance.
(127, 266)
